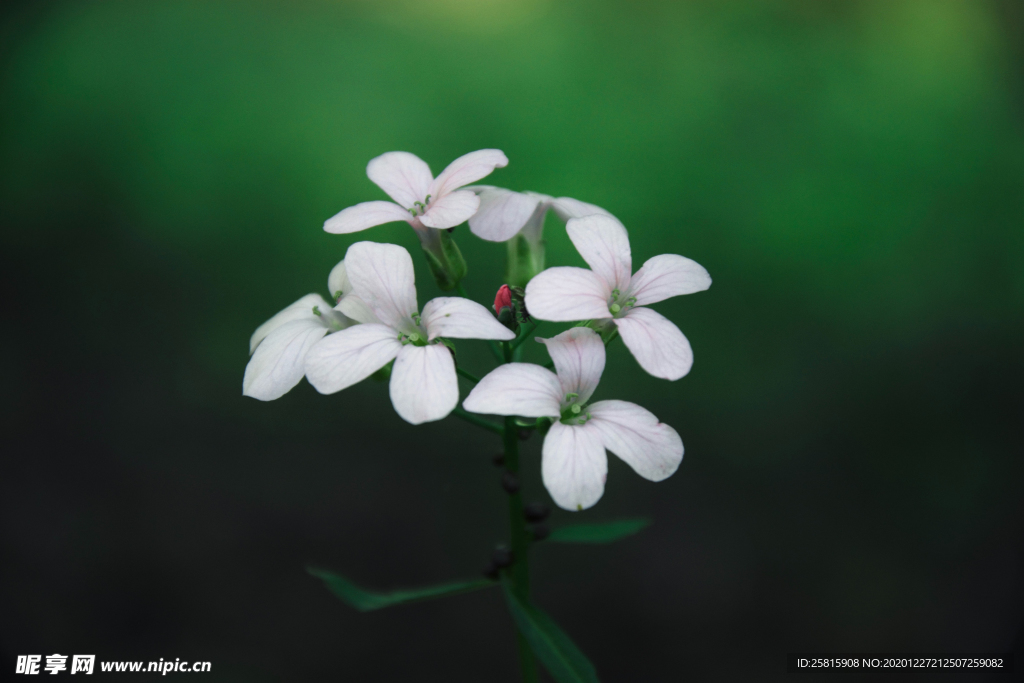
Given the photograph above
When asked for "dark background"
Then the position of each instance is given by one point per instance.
(851, 174)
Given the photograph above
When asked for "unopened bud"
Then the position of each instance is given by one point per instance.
(498, 459)
(510, 483)
(491, 571)
(502, 557)
(536, 512)
(541, 531)
(503, 299)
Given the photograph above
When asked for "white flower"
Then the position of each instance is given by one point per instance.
(608, 291)
(574, 464)
(505, 213)
(424, 386)
(420, 199)
(279, 346)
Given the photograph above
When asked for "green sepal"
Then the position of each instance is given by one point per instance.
(457, 267)
(599, 533)
(525, 260)
(553, 647)
(365, 601)
(443, 256)
(383, 374)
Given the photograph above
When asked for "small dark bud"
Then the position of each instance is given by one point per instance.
(498, 459)
(510, 483)
(536, 512)
(491, 571)
(541, 531)
(502, 557)
(524, 434)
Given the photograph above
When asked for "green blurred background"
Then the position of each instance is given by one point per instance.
(850, 173)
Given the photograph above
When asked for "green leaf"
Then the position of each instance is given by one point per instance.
(365, 601)
(553, 648)
(598, 533)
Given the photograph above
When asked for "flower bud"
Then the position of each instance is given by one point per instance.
(510, 483)
(526, 249)
(503, 299)
(498, 459)
(502, 557)
(443, 256)
(536, 511)
(541, 531)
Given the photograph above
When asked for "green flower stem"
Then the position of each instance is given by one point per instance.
(519, 572)
(468, 375)
(495, 350)
(524, 336)
(478, 421)
(461, 290)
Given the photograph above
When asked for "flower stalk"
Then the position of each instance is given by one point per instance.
(519, 572)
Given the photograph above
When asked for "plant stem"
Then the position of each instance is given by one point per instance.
(495, 350)
(478, 421)
(468, 375)
(524, 336)
(461, 290)
(519, 572)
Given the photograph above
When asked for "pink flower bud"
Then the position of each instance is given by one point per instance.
(503, 299)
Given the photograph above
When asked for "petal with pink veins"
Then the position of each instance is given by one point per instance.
(350, 356)
(467, 169)
(604, 244)
(300, 310)
(656, 343)
(458, 318)
(666, 276)
(450, 210)
(579, 360)
(382, 277)
(565, 293)
(653, 449)
(424, 387)
(365, 215)
(404, 176)
(516, 389)
(502, 213)
(279, 361)
(574, 465)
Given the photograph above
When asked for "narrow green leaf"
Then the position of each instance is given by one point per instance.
(553, 648)
(598, 533)
(365, 601)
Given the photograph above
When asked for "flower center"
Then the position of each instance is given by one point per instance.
(619, 304)
(416, 337)
(573, 413)
(421, 206)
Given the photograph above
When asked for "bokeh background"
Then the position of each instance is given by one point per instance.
(851, 174)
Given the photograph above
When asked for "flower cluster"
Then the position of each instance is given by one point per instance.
(375, 323)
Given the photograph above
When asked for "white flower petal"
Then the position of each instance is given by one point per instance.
(653, 449)
(502, 213)
(567, 207)
(337, 281)
(350, 356)
(516, 389)
(424, 386)
(351, 306)
(279, 362)
(565, 293)
(604, 244)
(450, 210)
(300, 310)
(467, 169)
(365, 215)
(666, 276)
(579, 360)
(656, 343)
(404, 176)
(382, 277)
(458, 318)
(574, 466)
